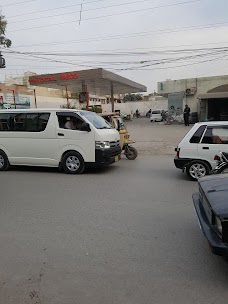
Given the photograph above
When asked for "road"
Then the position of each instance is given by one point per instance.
(123, 235)
(156, 138)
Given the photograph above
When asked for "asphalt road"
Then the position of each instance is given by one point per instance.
(124, 235)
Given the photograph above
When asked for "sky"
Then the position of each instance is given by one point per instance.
(147, 41)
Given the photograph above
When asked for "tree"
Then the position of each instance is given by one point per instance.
(3, 40)
(132, 97)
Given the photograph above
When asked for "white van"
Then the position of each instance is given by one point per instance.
(70, 139)
(156, 115)
(196, 152)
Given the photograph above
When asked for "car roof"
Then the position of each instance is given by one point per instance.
(212, 123)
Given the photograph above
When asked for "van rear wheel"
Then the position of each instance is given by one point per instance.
(73, 163)
(197, 169)
(4, 162)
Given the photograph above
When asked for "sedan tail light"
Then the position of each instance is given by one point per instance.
(177, 152)
(217, 158)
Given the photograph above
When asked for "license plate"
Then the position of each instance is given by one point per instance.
(117, 158)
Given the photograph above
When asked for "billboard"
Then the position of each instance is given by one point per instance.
(22, 101)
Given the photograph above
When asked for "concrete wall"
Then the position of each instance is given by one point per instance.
(50, 102)
(202, 85)
(45, 102)
(142, 106)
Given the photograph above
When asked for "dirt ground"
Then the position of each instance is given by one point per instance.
(155, 138)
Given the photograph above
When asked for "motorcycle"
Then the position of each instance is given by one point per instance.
(222, 166)
(136, 114)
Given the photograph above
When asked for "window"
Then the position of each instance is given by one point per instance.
(216, 135)
(70, 121)
(42, 121)
(97, 121)
(119, 124)
(156, 112)
(197, 135)
(207, 139)
(24, 122)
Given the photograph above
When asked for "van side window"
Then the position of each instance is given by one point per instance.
(197, 135)
(5, 122)
(19, 122)
(42, 121)
(70, 122)
(24, 122)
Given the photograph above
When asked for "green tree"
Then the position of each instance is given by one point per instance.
(132, 97)
(3, 40)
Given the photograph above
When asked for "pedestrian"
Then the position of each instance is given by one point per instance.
(186, 115)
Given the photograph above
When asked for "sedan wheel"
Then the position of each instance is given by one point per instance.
(197, 169)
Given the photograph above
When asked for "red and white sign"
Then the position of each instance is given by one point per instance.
(65, 76)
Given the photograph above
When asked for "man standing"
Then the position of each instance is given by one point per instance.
(186, 115)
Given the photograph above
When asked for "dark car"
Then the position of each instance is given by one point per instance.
(211, 206)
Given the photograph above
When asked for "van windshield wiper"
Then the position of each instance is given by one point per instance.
(104, 127)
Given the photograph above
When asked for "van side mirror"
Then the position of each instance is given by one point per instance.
(85, 127)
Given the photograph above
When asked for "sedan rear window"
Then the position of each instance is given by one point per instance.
(197, 135)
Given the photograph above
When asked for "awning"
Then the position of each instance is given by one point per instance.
(213, 95)
(99, 82)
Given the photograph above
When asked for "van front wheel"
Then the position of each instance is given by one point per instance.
(197, 169)
(4, 162)
(73, 163)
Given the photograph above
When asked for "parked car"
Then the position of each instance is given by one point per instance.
(196, 152)
(156, 115)
(211, 208)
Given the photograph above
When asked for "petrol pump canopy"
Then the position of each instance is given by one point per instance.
(99, 82)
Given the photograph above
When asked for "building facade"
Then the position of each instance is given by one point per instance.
(206, 95)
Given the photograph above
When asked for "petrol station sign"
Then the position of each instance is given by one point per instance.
(61, 77)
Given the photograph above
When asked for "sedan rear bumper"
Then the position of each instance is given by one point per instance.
(180, 163)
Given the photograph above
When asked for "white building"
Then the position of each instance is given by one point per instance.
(206, 95)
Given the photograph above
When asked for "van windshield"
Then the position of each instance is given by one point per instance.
(97, 121)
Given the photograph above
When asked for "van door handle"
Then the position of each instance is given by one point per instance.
(206, 148)
(60, 134)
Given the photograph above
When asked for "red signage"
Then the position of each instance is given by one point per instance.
(66, 76)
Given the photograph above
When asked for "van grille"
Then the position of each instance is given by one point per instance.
(114, 144)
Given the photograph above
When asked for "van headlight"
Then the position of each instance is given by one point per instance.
(218, 224)
(102, 144)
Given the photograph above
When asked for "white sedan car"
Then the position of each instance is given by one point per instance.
(156, 115)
